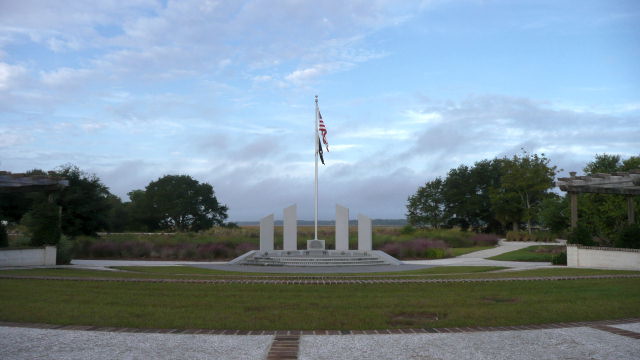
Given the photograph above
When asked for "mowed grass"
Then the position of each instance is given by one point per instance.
(188, 272)
(305, 307)
(541, 253)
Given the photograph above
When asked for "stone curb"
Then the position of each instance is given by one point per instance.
(303, 281)
(604, 325)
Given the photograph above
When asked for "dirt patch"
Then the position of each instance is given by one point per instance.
(415, 319)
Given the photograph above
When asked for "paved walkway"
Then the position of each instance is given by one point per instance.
(618, 339)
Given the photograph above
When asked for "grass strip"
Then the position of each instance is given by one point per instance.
(303, 307)
(539, 253)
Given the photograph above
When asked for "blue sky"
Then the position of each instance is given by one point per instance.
(223, 91)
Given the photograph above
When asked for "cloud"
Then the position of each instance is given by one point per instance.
(10, 75)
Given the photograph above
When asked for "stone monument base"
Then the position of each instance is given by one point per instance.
(315, 258)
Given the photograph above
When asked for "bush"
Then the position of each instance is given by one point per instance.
(581, 235)
(43, 223)
(629, 237)
(537, 236)
(560, 259)
(407, 230)
(485, 239)
(4, 238)
(64, 251)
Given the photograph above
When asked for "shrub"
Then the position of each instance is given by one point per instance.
(559, 259)
(4, 238)
(538, 236)
(407, 230)
(485, 239)
(629, 237)
(64, 251)
(581, 235)
(103, 249)
(393, 248)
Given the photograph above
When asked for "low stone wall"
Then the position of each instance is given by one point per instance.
(603, 257)
(28, 257)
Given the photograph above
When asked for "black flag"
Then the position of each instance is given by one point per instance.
(320, 151)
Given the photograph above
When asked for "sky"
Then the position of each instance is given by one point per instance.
(224, 91)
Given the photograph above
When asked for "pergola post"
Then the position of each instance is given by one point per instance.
(574, 209)
(630, 210)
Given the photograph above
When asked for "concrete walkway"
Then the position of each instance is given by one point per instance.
(614, 341)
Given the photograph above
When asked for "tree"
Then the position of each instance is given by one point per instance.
(604, 163)
(85, 204)
(606, 214)
(426, 206)
(554, 213)
(530, 178)
(177, 202)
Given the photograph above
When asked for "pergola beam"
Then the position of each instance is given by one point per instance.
(617, 183)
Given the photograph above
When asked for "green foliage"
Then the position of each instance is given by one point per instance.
(604, 163)
(539, 253)
(527, 178)
(426, 207)
(407, 230)
(554, 213)
(43, 223)
(559, 259)
(606, 214)
(177, 202)
(64, 251)
(581, 235)
(539, 236)
(85, 207)
(629, 237)
(4, 238)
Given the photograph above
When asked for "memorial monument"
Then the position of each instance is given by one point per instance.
(316, 253)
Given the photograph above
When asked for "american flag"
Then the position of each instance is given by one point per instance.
(323, 131)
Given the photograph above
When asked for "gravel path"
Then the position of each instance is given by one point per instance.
(567, 341)
(570, 343)
(26, 343)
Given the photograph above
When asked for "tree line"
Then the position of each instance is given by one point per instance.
(85, 207)
(516, 193)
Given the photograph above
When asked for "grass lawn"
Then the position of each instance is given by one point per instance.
(541, 253)
(188, 272)
(300, 307)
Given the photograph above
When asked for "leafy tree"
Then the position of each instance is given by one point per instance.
(177, 202)
(426, 206)
(118, 216)
(85, 204)
(43, 221)
(606, 214)
(4, 238)
(554, 213)
(530, 177)
(604, 163)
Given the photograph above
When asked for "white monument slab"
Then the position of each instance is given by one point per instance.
(342, 228)
(290, 232)
(365, 242)
(266, 233)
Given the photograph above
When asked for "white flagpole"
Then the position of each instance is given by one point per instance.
(316, 142)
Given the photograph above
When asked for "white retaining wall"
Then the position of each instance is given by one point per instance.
(602, 257)
(28, 257)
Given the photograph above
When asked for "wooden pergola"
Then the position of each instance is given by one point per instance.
(618, 183)
(26, 183)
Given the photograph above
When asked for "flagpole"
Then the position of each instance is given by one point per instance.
(315, 199)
